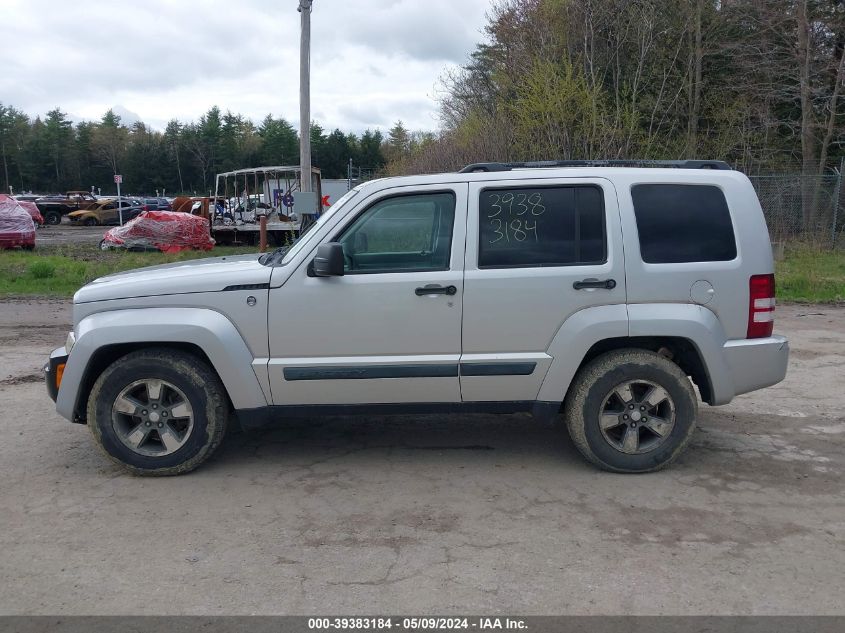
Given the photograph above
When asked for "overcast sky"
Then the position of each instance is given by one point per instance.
(372, 61)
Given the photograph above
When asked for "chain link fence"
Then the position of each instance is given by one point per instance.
(803, 208)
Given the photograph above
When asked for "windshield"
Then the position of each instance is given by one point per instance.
(289, 251)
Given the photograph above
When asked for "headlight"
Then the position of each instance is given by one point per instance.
(70, 342)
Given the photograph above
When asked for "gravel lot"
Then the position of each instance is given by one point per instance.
(435, 514)
(65, 233)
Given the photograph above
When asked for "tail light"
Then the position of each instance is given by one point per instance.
(761, 306)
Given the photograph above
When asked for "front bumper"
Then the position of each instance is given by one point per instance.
(757, 363)
(53, 371)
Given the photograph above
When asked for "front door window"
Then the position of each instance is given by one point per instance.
(401, 234)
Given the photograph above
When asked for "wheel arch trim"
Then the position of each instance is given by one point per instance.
(205, 329)
(586, 328)
(698, 325)
(573, 340)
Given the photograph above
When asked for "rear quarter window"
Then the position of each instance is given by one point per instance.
(683, 223)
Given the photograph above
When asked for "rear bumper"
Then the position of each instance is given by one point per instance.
(756, 363)
(15, 239)
(53, 370)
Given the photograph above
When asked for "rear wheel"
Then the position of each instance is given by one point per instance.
(52, 217)
(631, 411)
(158, 412)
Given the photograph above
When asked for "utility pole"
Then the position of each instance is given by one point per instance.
(305, 96)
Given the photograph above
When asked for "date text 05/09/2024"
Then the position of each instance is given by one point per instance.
(415, 623)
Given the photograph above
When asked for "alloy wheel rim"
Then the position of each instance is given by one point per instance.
(637, 416)
(152, 417)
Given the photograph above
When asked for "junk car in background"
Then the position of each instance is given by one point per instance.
(17, 228)
(166, 231)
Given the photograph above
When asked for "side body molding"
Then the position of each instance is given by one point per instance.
(698, 325)
(209, 330)
(573, 340)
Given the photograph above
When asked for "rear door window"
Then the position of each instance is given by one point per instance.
(683, 223)
(541, 226)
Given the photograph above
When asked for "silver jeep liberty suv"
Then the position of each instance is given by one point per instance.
(599, 292)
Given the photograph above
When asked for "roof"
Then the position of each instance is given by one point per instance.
(547, 164)
(264, 170)
(620, 176)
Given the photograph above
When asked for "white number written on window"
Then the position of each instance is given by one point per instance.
(510, 216)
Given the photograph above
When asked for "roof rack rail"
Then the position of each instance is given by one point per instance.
(545, 164)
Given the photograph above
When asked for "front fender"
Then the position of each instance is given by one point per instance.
(209, 330)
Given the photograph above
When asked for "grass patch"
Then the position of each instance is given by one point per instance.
(42, 269)
(61, 270)
(806, 275)
(811, 275)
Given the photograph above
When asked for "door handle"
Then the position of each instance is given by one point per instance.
(607, 284)
(432, 289)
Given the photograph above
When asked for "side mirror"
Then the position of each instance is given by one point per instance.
(329, 260)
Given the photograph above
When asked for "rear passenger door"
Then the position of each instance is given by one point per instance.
(537, 252)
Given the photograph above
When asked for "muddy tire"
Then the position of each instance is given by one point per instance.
(52, 218)
(631, 411)
(90, 222)
(158, 412)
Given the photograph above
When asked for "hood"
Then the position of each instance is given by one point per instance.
(198, 275)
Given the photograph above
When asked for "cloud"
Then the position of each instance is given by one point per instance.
(127, 117)
(437, 30)
(373, 61)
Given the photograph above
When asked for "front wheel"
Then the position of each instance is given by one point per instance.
(52, 218)
(90, 222)
(158, 412)
(631, 411)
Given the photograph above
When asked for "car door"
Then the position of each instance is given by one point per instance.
(389, 330)
(537, 252)
(107, 214)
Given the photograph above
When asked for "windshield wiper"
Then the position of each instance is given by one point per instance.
(282, 250)
(269, 258)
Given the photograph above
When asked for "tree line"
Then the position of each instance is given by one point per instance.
(52, 154)
(755, 82)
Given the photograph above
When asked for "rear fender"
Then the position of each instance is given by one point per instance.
(697, 324)
(573, 340)
(585, 328)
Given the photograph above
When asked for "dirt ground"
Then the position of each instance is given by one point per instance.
(434, 514)
(65, 233)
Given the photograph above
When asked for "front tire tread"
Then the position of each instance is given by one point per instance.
(194, 370)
